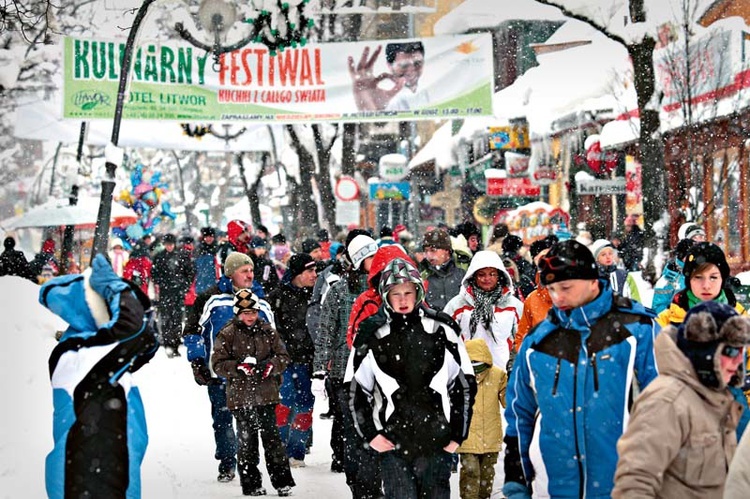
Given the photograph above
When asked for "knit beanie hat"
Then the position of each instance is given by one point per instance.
(257, 242)
(541, 245)
(298, 263)
(399, 271)
(567, 260)
(689, 230)
(701, 253)
(244, 299)
(438, 239)
(709, 328)
(598, 245)
(234, 261)
(9, 242)
(309, 245)
(360, 248)
(208, 232)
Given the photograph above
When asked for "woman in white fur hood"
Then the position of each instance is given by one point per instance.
(486, 306)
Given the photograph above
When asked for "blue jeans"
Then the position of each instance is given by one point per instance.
(226, 440)
(294, 412)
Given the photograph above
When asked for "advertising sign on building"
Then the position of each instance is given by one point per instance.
(173, 80)
(389, 191)
(509, 137)
(516, 164)
(347, 212)
(500, 185)
(393, 167)
(599, 187)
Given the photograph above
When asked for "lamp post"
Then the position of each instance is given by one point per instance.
(101, 232)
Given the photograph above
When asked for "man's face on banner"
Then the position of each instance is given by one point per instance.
(409, 67)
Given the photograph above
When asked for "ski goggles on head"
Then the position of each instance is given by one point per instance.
(732, 351)
(555, 262)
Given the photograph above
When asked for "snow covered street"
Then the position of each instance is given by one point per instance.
(179, 461)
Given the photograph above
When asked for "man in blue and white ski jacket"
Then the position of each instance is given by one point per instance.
(571, 386)
(99, 422)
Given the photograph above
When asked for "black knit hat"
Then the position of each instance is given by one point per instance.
(567, 260)
(705, 253)
(309, 245)
(512, 243)
(541, 245)
(298, 263)
(438, 239)
(708, 329)
(208, 232)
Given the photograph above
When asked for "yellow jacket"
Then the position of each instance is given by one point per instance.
(486, 429)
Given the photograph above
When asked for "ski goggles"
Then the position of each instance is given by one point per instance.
(732, 351)
(554, 263)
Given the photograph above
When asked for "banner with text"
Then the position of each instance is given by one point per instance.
(429, 78)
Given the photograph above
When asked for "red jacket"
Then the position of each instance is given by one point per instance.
(369, 302)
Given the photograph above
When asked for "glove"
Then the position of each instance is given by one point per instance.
(201, 372)
(267, 370)
(318, 388)
(318, 375)
(515, 490)
(247, 369)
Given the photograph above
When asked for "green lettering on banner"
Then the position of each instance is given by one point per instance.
(167, 58)
(185, 66)
(202, 69)
(80, 57)
(111, 61)
(137, 66)
(150, 72)
(99, 59)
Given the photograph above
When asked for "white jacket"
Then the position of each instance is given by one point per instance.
(508, 309)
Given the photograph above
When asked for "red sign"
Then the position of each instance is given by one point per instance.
(509, 187)
(598, 161)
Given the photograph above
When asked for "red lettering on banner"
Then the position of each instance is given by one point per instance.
(294, 67)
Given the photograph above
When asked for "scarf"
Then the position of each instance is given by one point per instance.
(694, 300)
(484, 308)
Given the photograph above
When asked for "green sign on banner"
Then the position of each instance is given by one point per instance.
(175, 81)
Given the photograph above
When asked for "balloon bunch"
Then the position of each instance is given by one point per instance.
(145, 198)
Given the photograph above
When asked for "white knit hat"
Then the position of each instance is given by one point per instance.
(360, 248)
(598, 245)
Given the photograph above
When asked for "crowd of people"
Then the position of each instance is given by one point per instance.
(423, 347)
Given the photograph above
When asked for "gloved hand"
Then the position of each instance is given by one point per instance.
(248, 369)
(319, 375)
(201, 372)
(515, 490)
(267, 370)
(318, 388)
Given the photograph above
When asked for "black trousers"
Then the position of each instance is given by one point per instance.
(421, 477)
(361, 463)
(250, 421)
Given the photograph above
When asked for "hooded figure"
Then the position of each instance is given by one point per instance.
(412, 386)
(680, 438)
(486, 307)
(99, 415)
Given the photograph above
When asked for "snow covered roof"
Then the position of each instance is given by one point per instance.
(476, 14)
(619, 132)
(439, 149)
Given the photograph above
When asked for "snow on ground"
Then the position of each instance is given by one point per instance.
(179, 461)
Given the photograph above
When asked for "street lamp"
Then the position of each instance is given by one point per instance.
(278, 27)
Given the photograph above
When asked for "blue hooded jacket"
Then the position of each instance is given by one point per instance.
(570, 392)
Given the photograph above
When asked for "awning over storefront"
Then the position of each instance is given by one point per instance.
(617, 133)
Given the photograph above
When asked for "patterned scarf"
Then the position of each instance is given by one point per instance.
(484, 308)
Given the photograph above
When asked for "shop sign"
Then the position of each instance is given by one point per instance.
(601, 187)
(475, 173)
(544, 175)
(516, 164)
(393, 167)
(347, 212)
(390, 191)
(509, 137)
(512, 186)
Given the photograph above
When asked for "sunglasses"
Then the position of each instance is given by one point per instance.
(547, 263)
(732, 352)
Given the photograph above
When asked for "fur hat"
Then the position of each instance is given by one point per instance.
(700, 253)
(399, 271)
(298, 263)
(244, 299)
(438, 239)
(708, 328)
(598, 245)
(234, 261)
(512, 243)
(360, 248)
(567, 260)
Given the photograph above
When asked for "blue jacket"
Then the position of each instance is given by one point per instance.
(216, 309)
(570, 391)
(98, 412)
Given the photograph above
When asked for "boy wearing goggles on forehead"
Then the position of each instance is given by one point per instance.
(570, 387)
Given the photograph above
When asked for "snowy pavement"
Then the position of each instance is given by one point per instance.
(179, 461)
